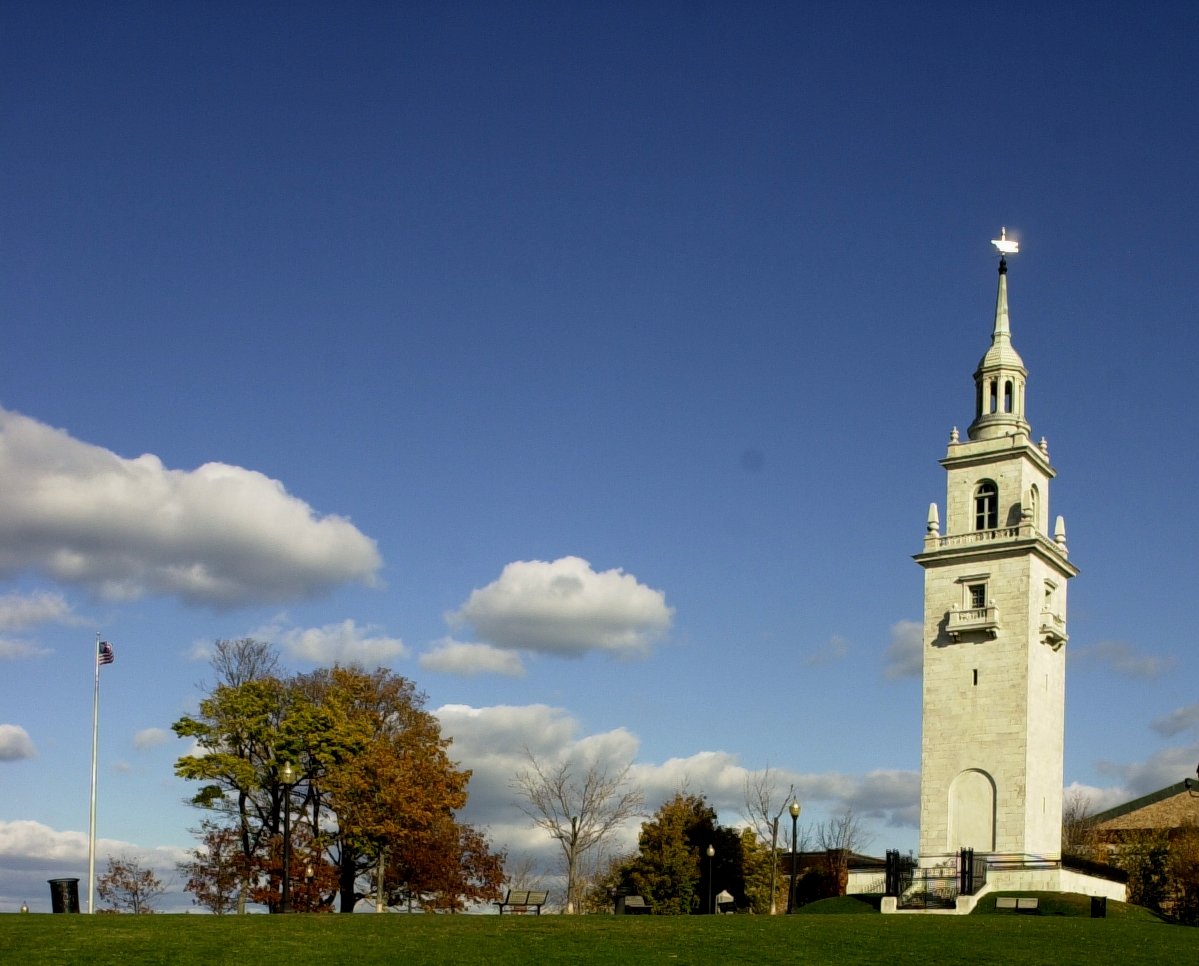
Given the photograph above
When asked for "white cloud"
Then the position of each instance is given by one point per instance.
(15, 743)
(566, 608)
(1122, 658)
(12, 650)
(904, 657)
(470, 660)
(343, 643)
(1098, 799)
(200, 651)
(219, 535)
(491, 742)
(31, 853)
(21, 611)
(151, 738)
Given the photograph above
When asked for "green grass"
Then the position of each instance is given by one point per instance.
(32, 940)
(1064, 904)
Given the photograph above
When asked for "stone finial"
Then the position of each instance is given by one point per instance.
(953, 436)
(1045, 447)
(1059, 533)
(934, 521)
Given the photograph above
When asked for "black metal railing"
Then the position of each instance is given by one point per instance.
(936, 887)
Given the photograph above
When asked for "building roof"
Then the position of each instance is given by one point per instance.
(1166, 808)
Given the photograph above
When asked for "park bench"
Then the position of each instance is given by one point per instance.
(1029, 904)
(521, 901)
(634, 906)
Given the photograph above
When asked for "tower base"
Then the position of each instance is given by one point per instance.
(1042, 879)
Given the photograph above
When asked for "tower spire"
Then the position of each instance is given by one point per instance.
(1002, 330)
(999, 379)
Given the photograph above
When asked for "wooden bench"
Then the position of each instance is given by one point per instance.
(1029, 904)
(520, 901)
(635, 906)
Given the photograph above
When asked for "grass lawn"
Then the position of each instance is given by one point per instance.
(834, 937)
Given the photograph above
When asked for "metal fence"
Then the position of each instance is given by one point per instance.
(935, 887)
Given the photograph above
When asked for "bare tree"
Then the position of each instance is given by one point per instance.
(761, 795)
(521, 873)
(1078, 834)
(127, 886)
(246, 659)
(842, 832)
(579, 808)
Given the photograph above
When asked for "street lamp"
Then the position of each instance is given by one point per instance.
(711, 852)
(793, 808)
(309, 875)
(287, 778)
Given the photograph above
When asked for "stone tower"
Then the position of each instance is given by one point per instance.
(994, 630)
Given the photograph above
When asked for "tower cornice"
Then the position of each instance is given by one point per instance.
(976, 452)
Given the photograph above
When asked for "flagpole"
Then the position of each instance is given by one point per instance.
(91, 825)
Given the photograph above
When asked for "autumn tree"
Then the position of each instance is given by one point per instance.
(216, 872)
(759, 873)
(372, 774)
(443, 869)
(1184, 874)
(239, 733)
(385, 775)
(127, 887)
(313, 880)
(578, 805)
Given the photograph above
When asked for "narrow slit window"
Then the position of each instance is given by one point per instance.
(1007, 396)
(976, 677)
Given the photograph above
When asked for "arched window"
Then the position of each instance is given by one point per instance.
(986, 506)
(1034, 505)
(1007, 396)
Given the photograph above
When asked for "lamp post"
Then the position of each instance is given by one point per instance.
(711, 853)
(309, 875)
(793, 808)
(287, 778)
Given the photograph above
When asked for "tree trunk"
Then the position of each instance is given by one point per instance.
(380, 905)
(347, 879)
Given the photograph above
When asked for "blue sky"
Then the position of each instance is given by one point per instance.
(589, 365)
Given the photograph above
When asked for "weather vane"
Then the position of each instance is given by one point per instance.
(1004, 245)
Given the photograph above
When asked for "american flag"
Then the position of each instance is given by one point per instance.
(105, 656)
